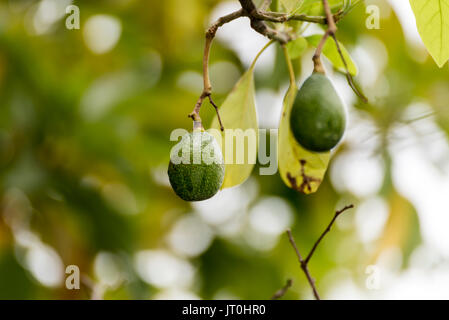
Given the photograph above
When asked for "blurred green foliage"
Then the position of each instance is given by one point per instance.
(84, 147)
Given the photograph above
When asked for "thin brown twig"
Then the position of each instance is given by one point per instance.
(277, 17)
(337, 213)
(304, 262)
(303, 265)
(258, 24)
(207, 86)
(257, 18)
(349, 78)
(218, 113)
(281, 292)
(331, 32)
(331, 29)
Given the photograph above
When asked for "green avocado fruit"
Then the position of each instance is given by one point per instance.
(200, 173)
(318, 117)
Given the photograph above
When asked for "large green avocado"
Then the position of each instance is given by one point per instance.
(197, 181)
(318, 116)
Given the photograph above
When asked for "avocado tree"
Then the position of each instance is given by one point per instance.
(313, 118)
(86, 115)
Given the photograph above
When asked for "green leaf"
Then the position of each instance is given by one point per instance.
(292, 5)
(296, 47)
(315, 7)
(291, 154)
(432, 20)
(239, 112)
(330, 51)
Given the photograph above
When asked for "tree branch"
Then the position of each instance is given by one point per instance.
(207, 86)
(277, 17)
(281, 292)
(258, 19)
(259, 25)
(303, 265)
(331, 29)
(337, 213)
(304, 262)
(330, 32)
(351, 83)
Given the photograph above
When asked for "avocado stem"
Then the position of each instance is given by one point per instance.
(330, 32)
(318, 65)
(207, 86)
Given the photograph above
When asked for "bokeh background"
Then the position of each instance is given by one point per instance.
(85, 119)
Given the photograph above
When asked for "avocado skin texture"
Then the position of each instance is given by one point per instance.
(318, 117)
(197, 182)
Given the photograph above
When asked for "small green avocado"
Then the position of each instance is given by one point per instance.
(200, 174)
(318, 116)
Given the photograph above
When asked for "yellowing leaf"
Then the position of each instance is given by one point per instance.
(238, 114)
(292, 5)
(432, 20)
(299, 169)
(330, 51)
(240, 139)
(401, 230)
